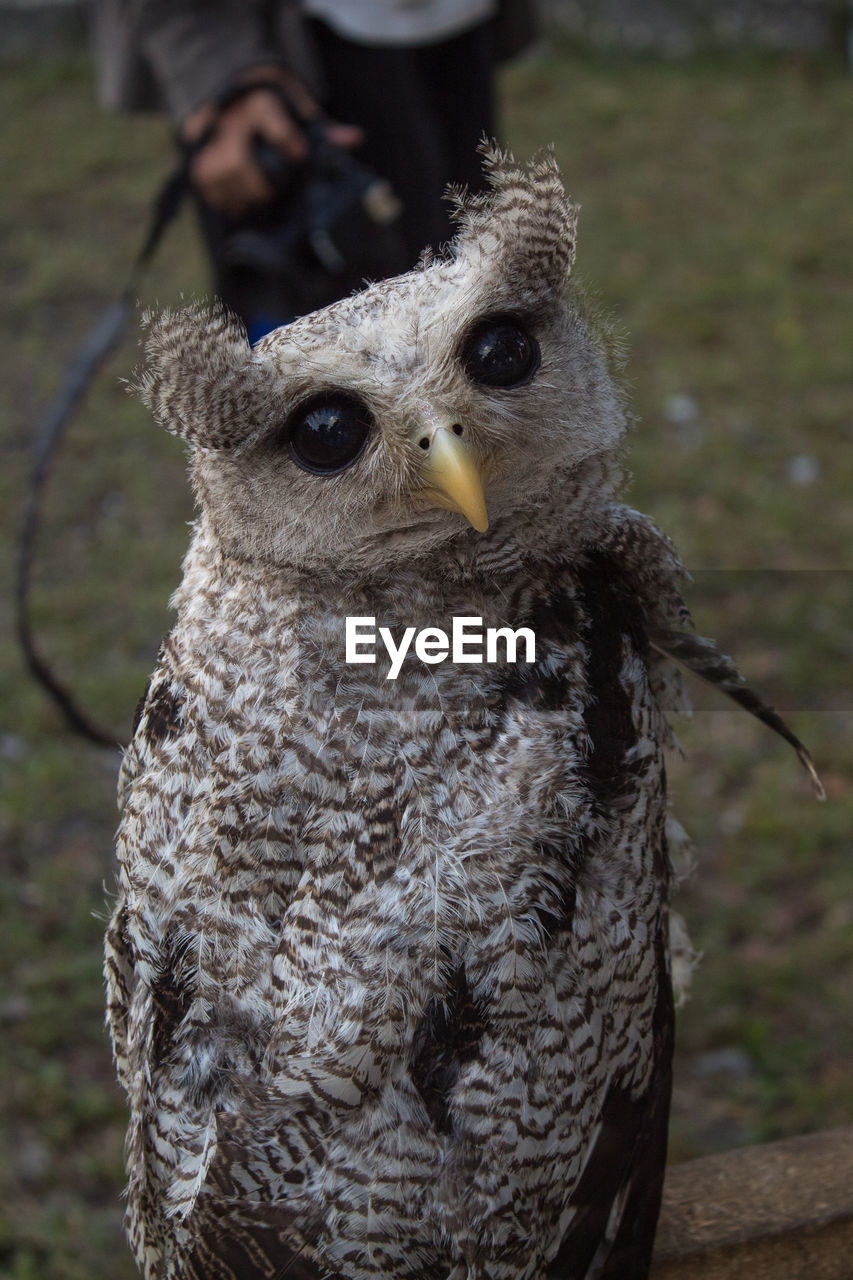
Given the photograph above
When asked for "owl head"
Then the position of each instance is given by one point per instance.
(463, 403)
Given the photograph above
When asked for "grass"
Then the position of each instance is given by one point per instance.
(716, 228)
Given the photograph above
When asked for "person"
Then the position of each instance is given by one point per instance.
(404, 86)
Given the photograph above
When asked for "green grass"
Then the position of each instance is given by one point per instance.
(716, 229)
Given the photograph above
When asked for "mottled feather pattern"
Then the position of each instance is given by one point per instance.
(219, 386)
(389, 971)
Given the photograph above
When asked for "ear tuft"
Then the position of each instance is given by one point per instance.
(199, 379)
(525, 220)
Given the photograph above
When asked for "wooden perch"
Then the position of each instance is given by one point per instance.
(783, 1211)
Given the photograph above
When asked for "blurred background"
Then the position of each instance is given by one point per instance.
(710, 147)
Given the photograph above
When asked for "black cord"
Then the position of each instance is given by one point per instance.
(95, 350)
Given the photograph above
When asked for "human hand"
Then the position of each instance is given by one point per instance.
(223, 170)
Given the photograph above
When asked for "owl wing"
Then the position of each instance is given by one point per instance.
(703, 658)
(615, 1204)
(649, 561)
(157, 718)
(617, 1200)
(234, 1228)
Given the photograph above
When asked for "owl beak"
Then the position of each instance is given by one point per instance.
(452, 477)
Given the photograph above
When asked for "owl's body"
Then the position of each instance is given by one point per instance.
(389, 971)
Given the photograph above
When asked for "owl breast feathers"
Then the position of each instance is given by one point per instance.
(389, 970)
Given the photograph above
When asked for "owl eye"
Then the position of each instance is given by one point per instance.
(500, 352)
(327, 433)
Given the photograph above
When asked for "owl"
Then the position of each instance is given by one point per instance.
(389, 972)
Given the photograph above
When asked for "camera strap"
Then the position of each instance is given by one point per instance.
(92, 354)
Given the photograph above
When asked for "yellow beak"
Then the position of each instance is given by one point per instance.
(452, 477)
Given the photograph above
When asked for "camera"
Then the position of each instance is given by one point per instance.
(332, 224)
